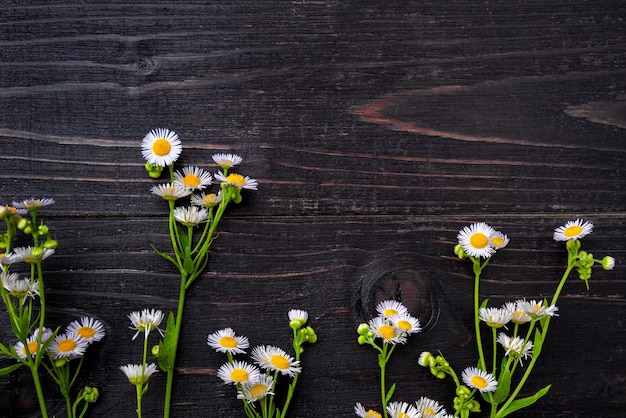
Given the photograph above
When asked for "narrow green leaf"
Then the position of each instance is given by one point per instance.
(164, 255)
(524, 402)
(504, 384)
(537, 343)
(6, 370)
(392, 389)
(167, 347)
(484, 303)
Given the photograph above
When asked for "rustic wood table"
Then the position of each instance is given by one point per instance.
(376, 131)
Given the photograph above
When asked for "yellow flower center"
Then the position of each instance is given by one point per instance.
(239, 375)
(280, 362)
(373, 414)
(258, 390)
(478, 382)
(497, 241)
(479, 240)
(32, 348)
(228, 342)
(236, 179)
(403, 415)
(67, 345)
(85, 332)
(191, 180)
(428, 412)
(161, 147)
(573, 231)
(387, 332)
(404, 325)
(389, 312)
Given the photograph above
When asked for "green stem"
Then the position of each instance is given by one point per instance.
(477, 270)
(40, 398)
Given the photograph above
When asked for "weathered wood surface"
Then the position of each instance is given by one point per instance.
(376, 132)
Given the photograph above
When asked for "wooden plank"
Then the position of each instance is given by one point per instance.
(376, 132)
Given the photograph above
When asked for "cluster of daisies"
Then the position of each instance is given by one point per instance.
(422, 408)
(393, 324)
(256, 380)
(161, 148)
(143, 323)
(69, 345)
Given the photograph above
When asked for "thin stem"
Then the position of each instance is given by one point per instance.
(477, 270)
(40, 398)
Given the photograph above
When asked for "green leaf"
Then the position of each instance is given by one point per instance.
(537, 343)
(504, 384)
(524, 402)
(392, 389)
(484, 303)
(6, 370)
(167, 347)
(164, 255)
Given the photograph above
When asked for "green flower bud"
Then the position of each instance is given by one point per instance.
(459, 252)
(311, 336)
(90, 394)
(363, 329)
(463, 391)
(37, 252)
(473, 406)
(42, 230)
(572, 245)
(28, 230)
(362, 339)
(60, 362)
(155, 350)
(608, 263)
(50, 244)
(22, 223)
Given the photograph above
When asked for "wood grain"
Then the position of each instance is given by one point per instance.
(376, 132)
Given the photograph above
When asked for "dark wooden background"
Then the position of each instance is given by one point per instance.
(376, 130)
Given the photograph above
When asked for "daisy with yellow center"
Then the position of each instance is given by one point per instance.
(191, 216)
(429, 408)
(207, 200)
(146, 321)
(170, 191)
(67, 346)
(11, 210)
(237, 180)
(388, 308)
(499, 240)
(573, 230)
(33, 204)
(476, 240)
(138, 374)
(89, 329)
(515, 347)
(31, 344)
(518, 315)
(361, 412)
(536, 309)
(402, 410)
(225, 341)
(194, 178)
(298, 317)
(479, 379)
(227, 161)
(252, 392)
(406, 323)
(382, 328)
(276, 359)
(238, 372)
(161, 147)
(494, 317)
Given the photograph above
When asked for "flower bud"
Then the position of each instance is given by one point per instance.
(155, 350)
(425, 359)
(572, 245)
(311, 336)
(50, 244)
(60, 363)
(22, 223)
(90, 394)
(363, 329)
(608, 263)
(362, 339)
(459, 252)
(42, 230)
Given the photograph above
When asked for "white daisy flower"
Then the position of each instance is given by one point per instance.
(429, 408)
(518, 314)
(499, 240)
(515, 346)
(207, 200)
(225, 341)
(146, 321)
(239, 372)
(298, 315)
(191, 215)
(89, 329)
(608, 263)
(170, 191)
(19, 288)
(361, 412)
(252, 392)
(33, 204)
(476, 240)
(237, 180)
(161, 147)
(31, 343)
(274, 358)
(227, 160)
(67, 346)
(424, 358)
(137, 374)
(387, 308)
(194, 178)
(402, 410)
(32, 255)
(406, 323)
(537, 310)
(494, 317)
(573, 230)
(10, 211)
(479, 379)
(382, 328)
(6, 259)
